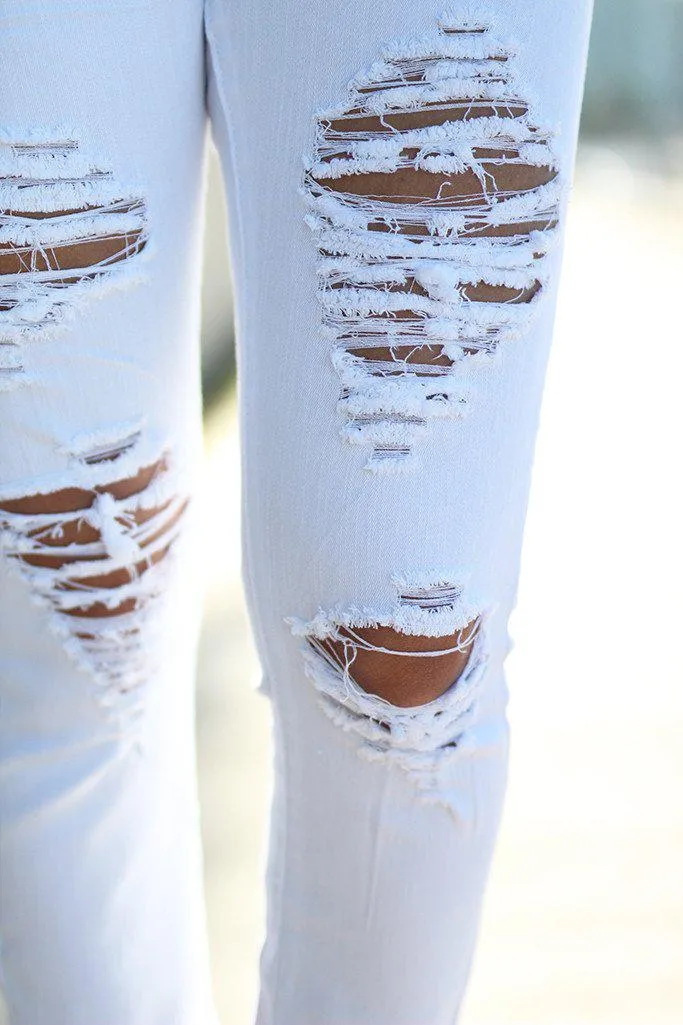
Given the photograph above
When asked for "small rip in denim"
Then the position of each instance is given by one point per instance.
(426, 741)
(70, 231)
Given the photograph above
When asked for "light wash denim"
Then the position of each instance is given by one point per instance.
(391, 354)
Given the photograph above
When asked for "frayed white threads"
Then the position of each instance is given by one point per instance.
(427, 741)
(425, 281)
(69, 232)
(97, 554)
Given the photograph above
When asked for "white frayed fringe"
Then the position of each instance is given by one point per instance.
(375, 250)
(427, 742)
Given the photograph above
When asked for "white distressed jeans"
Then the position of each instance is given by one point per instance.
(397, 178)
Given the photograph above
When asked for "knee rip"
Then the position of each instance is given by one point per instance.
(434, 199)
(406, 683)
(95, 552)
(68, 231)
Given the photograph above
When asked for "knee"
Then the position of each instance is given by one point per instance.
(403, 669)
(403, 679)
(94, 553)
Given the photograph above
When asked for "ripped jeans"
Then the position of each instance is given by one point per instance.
(397, 179)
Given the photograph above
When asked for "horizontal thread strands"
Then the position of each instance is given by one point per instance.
(427, 742)
(96, 557)
(68, 231)
(434, 199)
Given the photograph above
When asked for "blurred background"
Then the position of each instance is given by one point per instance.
(583, 920)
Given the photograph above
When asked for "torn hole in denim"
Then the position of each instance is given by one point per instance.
(426, 741)
(95, 552)
(70, 231)
(433, 195)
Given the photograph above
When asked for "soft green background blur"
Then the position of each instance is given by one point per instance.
(583, 921)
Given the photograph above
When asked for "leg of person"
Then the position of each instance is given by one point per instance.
(102, 132)
(398, 177)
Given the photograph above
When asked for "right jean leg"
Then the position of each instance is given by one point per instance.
(398, 182)
(102, 131)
